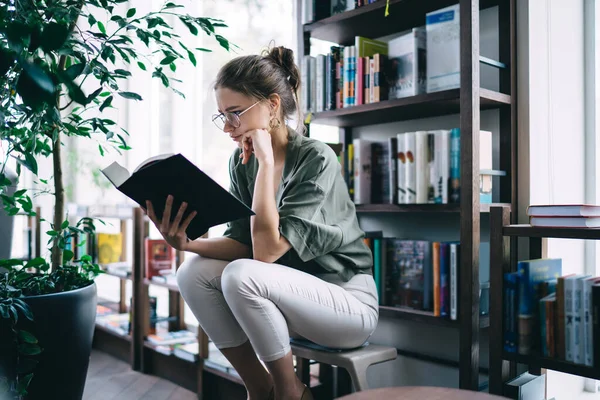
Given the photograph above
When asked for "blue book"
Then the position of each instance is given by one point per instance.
(511, 301)
(532, 273)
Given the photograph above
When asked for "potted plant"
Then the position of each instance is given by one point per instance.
(48, 50)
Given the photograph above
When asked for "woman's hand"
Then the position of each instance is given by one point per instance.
(173, 233)
(259, 141)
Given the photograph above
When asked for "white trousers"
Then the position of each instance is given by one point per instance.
(269, 303)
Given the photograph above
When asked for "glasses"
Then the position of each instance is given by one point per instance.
(232, 118)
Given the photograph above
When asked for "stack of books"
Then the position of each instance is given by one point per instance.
(564, 216)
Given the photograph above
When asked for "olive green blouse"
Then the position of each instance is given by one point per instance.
(316, 214)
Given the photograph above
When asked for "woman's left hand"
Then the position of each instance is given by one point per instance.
(258, 140)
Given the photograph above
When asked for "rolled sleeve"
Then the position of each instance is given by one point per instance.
(302, 220)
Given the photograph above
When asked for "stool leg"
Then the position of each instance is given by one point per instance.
(303, 370)
(359, 377)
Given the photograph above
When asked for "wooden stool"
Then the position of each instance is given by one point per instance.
(355, 361)
(419, 393)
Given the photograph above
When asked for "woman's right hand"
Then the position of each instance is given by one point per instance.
(173, 233)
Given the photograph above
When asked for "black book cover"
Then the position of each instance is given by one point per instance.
(596, 323)
(160, 176)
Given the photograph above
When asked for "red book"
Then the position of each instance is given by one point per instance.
(159, 256)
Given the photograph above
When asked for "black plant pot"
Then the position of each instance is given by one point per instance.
(64, 326)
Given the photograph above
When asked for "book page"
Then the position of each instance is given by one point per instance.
(152, 160)
(116, 174)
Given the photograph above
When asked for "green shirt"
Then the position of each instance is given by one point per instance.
(316, 214)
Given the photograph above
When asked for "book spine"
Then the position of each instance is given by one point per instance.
(578, 349)
(360, 77)
(421, 166)
(455, 165)
(393, 174)
(569, 315)
(401, 168)
(436, 279)
(550, 328)
(444, 280)
(588, 324)
(411, 171)
(510, 315)
(560, 318)
(596, 322)
(454, 248)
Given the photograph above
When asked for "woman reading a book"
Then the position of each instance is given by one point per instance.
(299, 267)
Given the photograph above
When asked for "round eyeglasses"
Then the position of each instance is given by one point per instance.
(232, 118)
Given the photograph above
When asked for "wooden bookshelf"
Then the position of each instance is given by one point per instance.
(420, 208)
(407, 108)
(543, 232)
(503, 260)
(425, 317)
(370, 20)
(467, 101)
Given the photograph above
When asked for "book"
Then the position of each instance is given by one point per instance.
(159, 256)
(566, 222)
(563, 210)
(173, 174)
(526, 387)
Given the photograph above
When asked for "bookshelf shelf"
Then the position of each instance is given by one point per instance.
(425, 317)
(554, 365)
(420, 208)
(407, 108)
(543, 232)
(172, 288)
(370, 20)
(113, 333)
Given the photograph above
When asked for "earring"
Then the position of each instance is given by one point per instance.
(274, 123)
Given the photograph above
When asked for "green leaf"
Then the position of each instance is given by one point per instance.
(52, 233)
(91, 20)
(20, 193)
(104, 94)
(192, 57)
(24, 307)
(68, 255)
(30, 163)
(101, 27)
(27, 337)
(10, 262)
(36, 262)
(65, 224)
(223, 42)
(95, 94)
(24, 384)
(122, 72)
(130, 12)
(168, 60)
(141, 65)
(101, 150)
(173, 67)
(75, 70)
(54, 36)
(203, 49)
(29, 349)
(106, 103)
(4, 311)
(77, 94)
(130, 95)
(172, 5)
(35, 85)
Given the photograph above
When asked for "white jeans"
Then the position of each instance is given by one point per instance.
(248, 299)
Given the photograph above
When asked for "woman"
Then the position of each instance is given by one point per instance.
(299, 267)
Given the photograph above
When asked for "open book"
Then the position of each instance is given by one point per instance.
(159, 176)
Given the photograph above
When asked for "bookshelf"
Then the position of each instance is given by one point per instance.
(503, 260)
(467, 101)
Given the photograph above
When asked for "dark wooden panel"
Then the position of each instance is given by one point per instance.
(469, 176)
(370, 20)
(140, 312)
(499, 264)
(425, 317)
(407, 108)
(565, 233)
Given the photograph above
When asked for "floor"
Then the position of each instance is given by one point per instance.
(112, 379)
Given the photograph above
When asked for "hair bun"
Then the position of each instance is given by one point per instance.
(284, 57)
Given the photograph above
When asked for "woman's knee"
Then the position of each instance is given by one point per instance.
(197, 272)
(241, 277)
